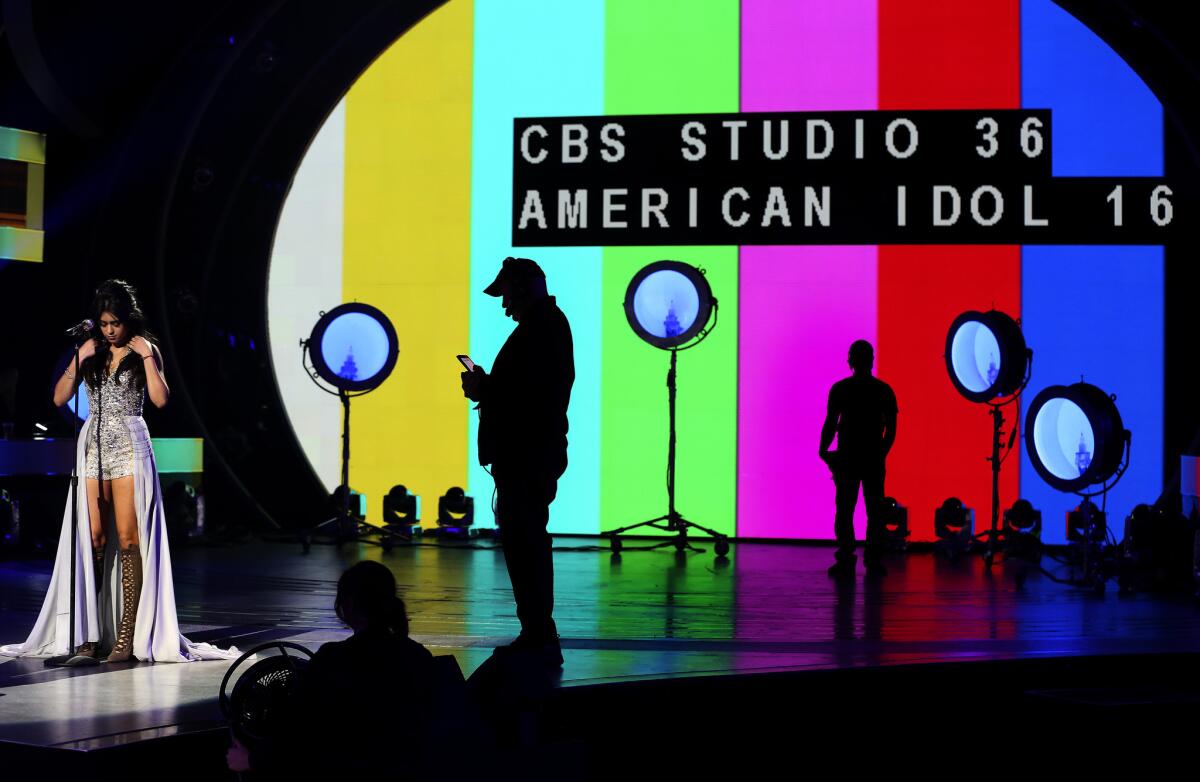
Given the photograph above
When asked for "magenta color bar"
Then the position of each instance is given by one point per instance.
(801, 307)
(809, 55)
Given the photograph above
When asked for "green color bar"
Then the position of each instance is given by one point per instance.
(23, 145)
(669, 57)
(179, 454)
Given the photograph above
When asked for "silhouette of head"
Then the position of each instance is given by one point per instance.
(366, 598)
(519, 284)
(862, 357)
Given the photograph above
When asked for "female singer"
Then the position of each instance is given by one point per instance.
(124, 595)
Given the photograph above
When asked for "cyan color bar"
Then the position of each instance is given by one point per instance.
(536, 58)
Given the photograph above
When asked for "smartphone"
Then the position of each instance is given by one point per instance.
(467, 362)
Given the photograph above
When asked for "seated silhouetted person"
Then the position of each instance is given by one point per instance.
(862, 412)
(365, 704)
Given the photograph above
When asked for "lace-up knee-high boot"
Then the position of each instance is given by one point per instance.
(131, 592)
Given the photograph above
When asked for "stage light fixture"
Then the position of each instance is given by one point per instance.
(986, 355)
(1158, 549)
(895, 524)
(401, 516)
(1087, 523)
(353, 347)
(953, 520)
(1075, 438)
(1023, 519)
(954, 525)
(456, 511)
(669, 303)
(1022, 539)
(355, 503)
(401, 508)
(1140, 530)
(265, 692)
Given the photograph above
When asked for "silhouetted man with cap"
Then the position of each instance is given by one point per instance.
(523, 436)
(862, 411)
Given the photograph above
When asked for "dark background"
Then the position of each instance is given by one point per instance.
(173, 131)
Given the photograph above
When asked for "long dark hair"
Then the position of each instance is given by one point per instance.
(372, 588)
(119, 298)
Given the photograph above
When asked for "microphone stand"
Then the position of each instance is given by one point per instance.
(70, 659)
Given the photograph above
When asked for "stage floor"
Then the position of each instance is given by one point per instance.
(647, 616)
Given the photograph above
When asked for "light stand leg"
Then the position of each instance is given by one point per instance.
(675, 522)
(348, 526)
(994, 532)
(345, 526)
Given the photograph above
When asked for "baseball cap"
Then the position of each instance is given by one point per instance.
(512, 270)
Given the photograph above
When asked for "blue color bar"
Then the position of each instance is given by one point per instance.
(1095, 312)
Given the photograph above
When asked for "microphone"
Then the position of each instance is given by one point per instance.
(80, 329)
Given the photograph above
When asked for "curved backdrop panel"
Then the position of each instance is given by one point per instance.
(404, 201)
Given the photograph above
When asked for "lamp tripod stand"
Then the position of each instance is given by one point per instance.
(348, 527)
(673, 520)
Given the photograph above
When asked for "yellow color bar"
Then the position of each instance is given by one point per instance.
(407, 251)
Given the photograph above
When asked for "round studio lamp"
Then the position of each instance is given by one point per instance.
(353, 347)
(669, 303)
(1074, 437)
(986, 356)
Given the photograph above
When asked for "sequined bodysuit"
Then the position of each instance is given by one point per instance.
(119, 397)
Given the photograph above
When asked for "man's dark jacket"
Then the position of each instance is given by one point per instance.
(523, 403)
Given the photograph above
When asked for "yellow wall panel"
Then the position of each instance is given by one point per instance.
(407, 251)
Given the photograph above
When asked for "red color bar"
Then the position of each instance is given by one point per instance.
(944, 55)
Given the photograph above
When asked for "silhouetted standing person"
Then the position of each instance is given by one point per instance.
(862, 411)
(523, 436)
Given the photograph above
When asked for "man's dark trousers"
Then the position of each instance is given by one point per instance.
(523, 500)
(849, 473)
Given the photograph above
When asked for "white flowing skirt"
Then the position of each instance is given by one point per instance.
(156, 635)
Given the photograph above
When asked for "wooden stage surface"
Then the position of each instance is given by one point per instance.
(650, 616)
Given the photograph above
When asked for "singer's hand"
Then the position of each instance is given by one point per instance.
(87, 350)
(140, 346)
